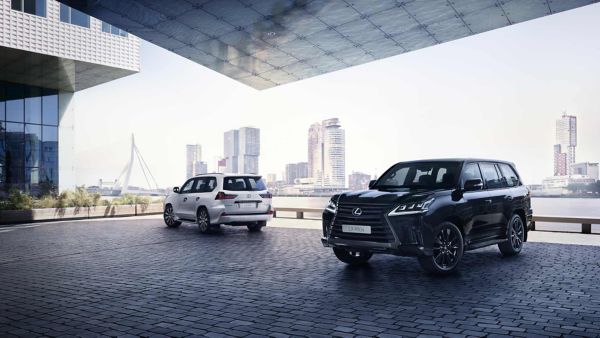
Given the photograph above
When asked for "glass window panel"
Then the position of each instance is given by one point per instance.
(490, 175)
(114, 30)
(40, 7)
(14, 102)
(32, 181)
(16, 5)
(50, 109)
(14, 142)
(33, 105)
(2, 152)
(33, 145)
(49, 173)
(80, 19)
(29, 6)
(105, 27)
(2, 102)
(65, 13)
(122, 32)
(14, 177)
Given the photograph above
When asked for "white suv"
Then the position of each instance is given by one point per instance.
(214, 199)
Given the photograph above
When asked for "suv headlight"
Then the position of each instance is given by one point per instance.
(412, 208)
(331, 207)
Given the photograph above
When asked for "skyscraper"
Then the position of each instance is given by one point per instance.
(566, 141)
(249, 150)
(327, 153)
(294, 171)
(241, 150)
(193, 154)
(231, 148)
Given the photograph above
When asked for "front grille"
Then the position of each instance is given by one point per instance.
(372, 215)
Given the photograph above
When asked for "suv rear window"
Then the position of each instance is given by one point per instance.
(246, 183)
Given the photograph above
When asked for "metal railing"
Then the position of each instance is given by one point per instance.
(586, 222)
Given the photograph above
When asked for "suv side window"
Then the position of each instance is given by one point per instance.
(187, 186)
(470, 172)
(490, 175)
(205, 184)
(510, 176)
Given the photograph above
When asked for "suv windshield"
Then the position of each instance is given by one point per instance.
(243, 183)
(420, 175)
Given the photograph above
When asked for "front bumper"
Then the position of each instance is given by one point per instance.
(397, 249)
(407, 236)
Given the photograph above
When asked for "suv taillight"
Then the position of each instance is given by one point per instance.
(223, 196)
(267, 195)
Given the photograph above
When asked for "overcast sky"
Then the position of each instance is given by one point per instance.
(493, 95)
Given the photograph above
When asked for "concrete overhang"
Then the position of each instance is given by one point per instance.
(21, 66)
(265, 43)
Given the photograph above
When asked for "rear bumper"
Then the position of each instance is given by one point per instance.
(227, 218)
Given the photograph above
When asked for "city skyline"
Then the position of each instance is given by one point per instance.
(507, 85)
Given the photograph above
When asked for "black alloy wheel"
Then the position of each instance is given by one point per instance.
(515, 237)
(448, 247)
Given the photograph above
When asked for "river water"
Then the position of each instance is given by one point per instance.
(582, 207)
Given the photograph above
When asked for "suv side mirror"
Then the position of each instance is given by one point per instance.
(372, 183)
(176, 190)
(472, 185)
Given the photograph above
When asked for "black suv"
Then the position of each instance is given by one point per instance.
(431, 209)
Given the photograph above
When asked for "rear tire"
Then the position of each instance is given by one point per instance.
(257, 226)
(448, 247)
(169, 217)
(352, 257)
(203, 220)
(515, 235)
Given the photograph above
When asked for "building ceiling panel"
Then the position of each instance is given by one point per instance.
(264, 43)
(54, 72)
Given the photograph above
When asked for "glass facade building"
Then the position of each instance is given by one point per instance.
(29, 118)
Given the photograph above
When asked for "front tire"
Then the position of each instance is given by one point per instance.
(257, 226)
(169, 217)
(515, 235)
(203, 221)
(448, 247)
(352, 257)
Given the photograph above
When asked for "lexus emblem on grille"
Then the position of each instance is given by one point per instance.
(357, 211)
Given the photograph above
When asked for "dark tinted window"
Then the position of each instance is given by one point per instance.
(427, 175)
(490, 175)
(205, 184)
(471, 172)
(243, 184)
(14, 102)
(509, 175)
(105, 27)
(36, 7)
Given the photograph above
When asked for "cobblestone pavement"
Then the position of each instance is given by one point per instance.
(138, 278)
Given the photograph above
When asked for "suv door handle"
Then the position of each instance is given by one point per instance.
(510, 198)
(197, 198)
(488, 201)
(185, 199)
